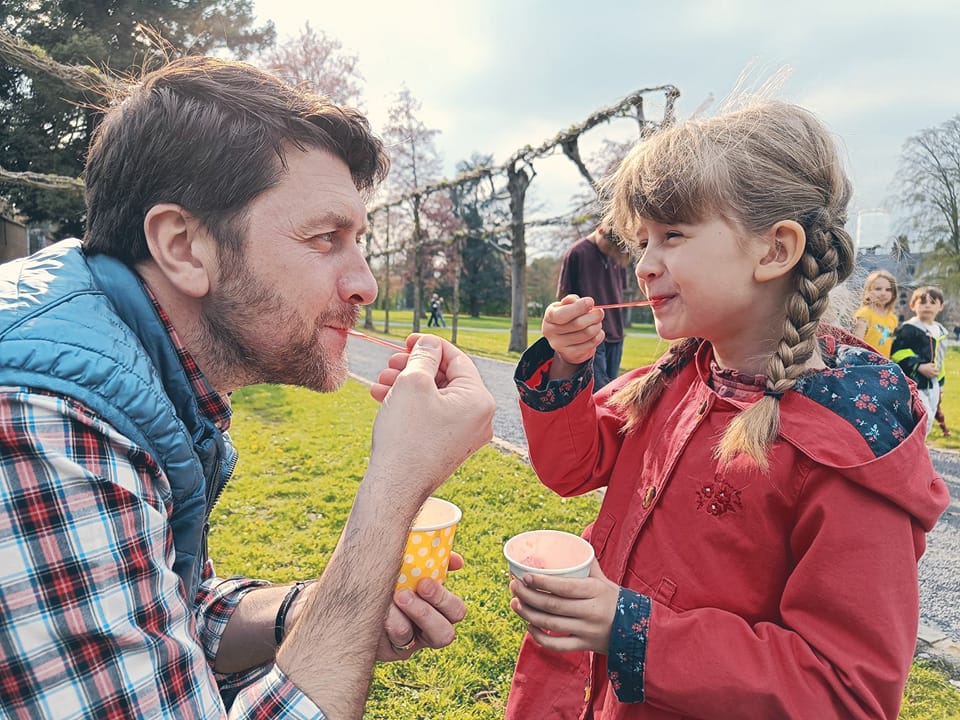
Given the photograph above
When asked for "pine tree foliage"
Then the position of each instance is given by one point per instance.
(48, 123)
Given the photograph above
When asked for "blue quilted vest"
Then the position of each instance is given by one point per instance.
(85, 328)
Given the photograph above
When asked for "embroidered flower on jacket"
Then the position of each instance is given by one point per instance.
(718, 498)
(864, 401)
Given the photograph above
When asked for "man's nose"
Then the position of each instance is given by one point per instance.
(357, 284)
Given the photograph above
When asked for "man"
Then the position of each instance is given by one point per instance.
(224, 221)
(595, 266)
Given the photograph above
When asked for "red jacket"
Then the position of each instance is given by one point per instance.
(791, 594)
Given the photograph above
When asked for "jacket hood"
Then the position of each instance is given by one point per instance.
(861, 416)
(881, 445)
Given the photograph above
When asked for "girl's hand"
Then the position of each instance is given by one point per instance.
(565, 614)
(572, 326)
(860, 328)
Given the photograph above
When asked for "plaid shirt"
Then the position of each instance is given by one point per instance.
(93, 620)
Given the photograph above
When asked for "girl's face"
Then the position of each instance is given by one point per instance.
(701, 279)
(880, 293)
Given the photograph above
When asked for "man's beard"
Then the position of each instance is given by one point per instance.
(251, 335)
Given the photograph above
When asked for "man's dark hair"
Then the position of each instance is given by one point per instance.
(209, 135)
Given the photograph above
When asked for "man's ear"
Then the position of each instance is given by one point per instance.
(181, 248)
(787, 243)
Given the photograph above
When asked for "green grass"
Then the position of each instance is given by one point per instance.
(302, 456)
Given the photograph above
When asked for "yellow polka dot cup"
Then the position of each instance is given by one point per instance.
(429, 543)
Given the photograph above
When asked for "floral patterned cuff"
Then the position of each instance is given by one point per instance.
(537, 390)
(628, 645)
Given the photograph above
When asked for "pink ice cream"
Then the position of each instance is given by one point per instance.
(550, 551)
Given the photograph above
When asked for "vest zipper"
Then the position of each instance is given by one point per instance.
(225, 468)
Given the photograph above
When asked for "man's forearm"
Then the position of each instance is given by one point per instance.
(331, 648)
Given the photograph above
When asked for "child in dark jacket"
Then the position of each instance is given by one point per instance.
(919, 348)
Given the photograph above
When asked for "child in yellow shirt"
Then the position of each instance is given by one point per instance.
(875, 321)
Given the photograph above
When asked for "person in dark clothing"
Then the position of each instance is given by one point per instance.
(595, 266)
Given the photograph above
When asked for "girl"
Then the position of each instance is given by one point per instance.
(875, 321)
(767, 484)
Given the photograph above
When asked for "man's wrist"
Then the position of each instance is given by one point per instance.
(284, 616)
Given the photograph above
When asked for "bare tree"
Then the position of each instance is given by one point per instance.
(314, 58)
(415, 163)
(928, 184)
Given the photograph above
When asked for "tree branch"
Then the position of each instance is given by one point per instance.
(527, 153)
(40, 180)
(78, 77)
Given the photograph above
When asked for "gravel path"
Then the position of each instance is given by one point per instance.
(939, 568)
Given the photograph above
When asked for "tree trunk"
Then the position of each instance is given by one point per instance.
(455, 309)
(417, 266)
(517, 182)
(368, 309)
(386, 284)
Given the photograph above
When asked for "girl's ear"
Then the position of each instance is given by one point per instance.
(180, 247)
(787, 243)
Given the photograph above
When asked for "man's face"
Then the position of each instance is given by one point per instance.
(280, 313)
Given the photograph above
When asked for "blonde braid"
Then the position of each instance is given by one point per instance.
(821, 269)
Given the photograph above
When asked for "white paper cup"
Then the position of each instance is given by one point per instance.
(548, 552)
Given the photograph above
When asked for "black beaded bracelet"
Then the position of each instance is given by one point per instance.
(278, 624)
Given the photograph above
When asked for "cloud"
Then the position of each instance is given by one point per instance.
(497, 75)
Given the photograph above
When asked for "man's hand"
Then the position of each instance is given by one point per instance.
(425, 618)
(432, 398)
(573, 327)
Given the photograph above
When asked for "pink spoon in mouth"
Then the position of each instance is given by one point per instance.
(374, 339)
(637, 303)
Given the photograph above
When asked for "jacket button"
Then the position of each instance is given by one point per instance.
(703, 408)
(648, 497)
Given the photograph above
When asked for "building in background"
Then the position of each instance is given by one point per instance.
(14, 242)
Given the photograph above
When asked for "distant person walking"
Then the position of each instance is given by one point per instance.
(436, 313)
(595, 267)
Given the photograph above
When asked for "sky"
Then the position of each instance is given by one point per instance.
(496, 75)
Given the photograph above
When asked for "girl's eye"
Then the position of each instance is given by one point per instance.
(672, 234)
